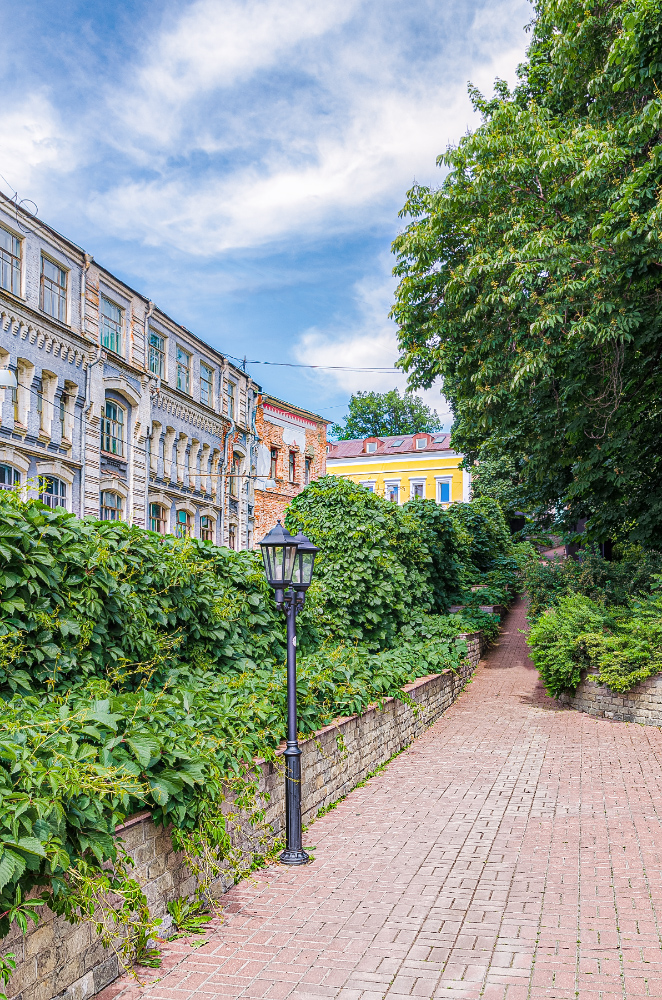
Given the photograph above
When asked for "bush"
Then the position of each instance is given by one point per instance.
(484, 532)
(553, 639)
(378, 564)
(611, 583)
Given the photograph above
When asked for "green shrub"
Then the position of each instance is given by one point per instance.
(553, 639)
(484, 532)
(378, 564)
(611, 583)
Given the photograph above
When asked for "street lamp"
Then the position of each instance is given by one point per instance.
(288, 564)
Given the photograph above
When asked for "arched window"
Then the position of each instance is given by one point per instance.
(183, 526)
(8, 477)
(158, 518)
(53, 491)
(112, 428)
(235, 477)
(112, 506)
(207, 528)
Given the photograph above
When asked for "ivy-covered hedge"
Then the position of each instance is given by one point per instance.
(143, 670)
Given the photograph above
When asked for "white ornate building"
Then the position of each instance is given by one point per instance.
(119, 412)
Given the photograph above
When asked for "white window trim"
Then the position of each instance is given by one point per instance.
(109, 484)
(444, 479)
(44, 255)
(395, 483)
(21, 239)
(417, 481)
(185, 505)
(368, 483)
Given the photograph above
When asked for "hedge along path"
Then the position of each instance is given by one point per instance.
(512, 852)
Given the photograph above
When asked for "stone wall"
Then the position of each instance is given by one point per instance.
(643, 703)
(56, 959)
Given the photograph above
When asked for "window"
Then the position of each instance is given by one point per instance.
(112, 428)
(14, 399)
(418, 490)
(53, 491)
(206, 385)
(64, 400)
(371, 447)
(369, 486)
(396, 444)
(306, 470)
(293, 466)
(232, 536)
(274, 463)
(156, 354)
(53, 290)
(112, 506)
(445, 492)
(421, 443)
(393, 492)
(231, 399)
(112, 324)
(207, 528)
(40, 407)
(157, 518)
(8, 477)
(234, 478)
(183, 370)
(183, 526)
(10, 262)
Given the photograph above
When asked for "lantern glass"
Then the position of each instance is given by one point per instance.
(278, 554)
(304, 563)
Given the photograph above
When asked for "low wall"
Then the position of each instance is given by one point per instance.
(643, 703)
(57, 959)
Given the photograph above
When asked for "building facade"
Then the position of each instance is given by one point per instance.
(120, 412)
(402, 467)
(291, 452)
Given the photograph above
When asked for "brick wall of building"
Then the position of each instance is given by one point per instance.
(290, 431)
(56, 959)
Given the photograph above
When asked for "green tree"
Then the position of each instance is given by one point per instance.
(499, 477)
(380, 414)
(530, 281)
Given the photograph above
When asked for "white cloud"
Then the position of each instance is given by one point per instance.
(32, 141)
(369, 342)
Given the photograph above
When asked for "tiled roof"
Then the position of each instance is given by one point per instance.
(399, 444)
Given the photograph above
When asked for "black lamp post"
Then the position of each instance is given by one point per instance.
(288, 563)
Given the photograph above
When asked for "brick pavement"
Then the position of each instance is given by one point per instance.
(512, 852)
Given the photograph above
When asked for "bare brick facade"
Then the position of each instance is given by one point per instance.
(290, 454)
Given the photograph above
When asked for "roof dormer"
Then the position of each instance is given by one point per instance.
(371, 444)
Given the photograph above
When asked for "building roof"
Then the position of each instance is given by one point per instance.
(277, 403)
(398, 444)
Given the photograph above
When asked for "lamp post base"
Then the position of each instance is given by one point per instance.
(294, 857)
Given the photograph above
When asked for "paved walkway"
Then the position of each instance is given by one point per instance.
(513, 852)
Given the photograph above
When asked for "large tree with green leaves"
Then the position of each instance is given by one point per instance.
(531, 280)
(380, 414)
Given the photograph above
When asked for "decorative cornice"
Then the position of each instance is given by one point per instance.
(169, 404)
(51, 343)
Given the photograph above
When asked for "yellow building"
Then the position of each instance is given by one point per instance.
(402, 467)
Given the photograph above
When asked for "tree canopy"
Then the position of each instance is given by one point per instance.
(530, 280)
(380, 414)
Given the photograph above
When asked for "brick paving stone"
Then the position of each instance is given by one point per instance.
(513, 852)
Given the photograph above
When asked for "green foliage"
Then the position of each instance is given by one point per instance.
(483, 529)
(188, 916)
(379, 563)
(609, 583)
(530, 279)
(499, 477)
(380, 414)
(554, 641)
(82, 598)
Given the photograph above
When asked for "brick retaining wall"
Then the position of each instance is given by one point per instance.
(643, 703)
(56, 959)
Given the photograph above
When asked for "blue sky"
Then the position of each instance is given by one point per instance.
(242, 162)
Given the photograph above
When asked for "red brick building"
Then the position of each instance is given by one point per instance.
(291, 453)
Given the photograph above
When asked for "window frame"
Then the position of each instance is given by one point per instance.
(63, 290)
(370, 447)
(421, 443)
(116, 334)
(61, 495)
(154, 351)
(163, 519)
(207, 531)
(235, 476)
(14, 264)
(441, 482)
(307, 467)
(392, 486)
(16, 476)
(117, 508)
(230, 388)
(181, 369)
(232, 537)
(183, 527)
(273, 467)
(414, 485)
(292, 467)
(204, 367)
(108, 436)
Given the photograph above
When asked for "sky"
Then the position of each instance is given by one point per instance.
(243, 162)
